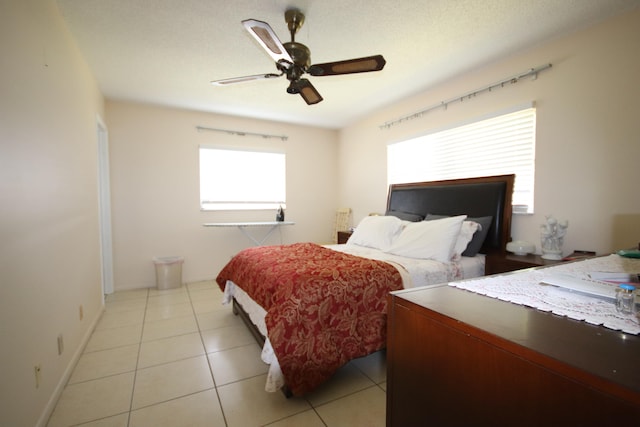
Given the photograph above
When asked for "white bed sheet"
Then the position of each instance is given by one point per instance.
(414, 272)
(421, 272)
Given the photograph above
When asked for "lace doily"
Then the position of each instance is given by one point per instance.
(524, 288)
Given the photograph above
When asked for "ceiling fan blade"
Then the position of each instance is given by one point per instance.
(268, 39)
(350, 66)
(308, 92)
(233, 80)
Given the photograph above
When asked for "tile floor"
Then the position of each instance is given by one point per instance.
(177, 357)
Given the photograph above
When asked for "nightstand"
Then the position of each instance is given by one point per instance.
(502, 263)
(343, 236)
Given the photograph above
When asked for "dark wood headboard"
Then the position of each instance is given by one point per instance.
(474, 197)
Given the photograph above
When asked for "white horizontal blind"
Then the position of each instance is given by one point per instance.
(500, 145)
(241, 179)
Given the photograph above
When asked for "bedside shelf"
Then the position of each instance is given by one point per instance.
(343, 236)
(503, 263)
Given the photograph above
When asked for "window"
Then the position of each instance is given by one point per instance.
(241, 179)
(500, 145)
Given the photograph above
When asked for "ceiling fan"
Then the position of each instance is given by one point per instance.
(293, 59)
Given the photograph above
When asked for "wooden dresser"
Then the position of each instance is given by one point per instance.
(455, 358)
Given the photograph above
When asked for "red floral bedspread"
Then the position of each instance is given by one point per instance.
(324, 307)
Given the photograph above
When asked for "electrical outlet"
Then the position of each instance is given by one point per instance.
(37, 371)
(60, 344)
(81, 312)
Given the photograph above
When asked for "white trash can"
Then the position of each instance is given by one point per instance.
(168, 272)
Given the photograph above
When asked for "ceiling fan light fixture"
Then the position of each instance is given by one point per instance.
(293, 88)
(310, 96)
(293, 59)
(308, 92)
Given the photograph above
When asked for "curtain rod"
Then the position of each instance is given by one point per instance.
(241, 133)
(509, 80)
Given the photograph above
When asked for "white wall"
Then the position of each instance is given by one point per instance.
(588, 134)
(588, 150)
(155, 189)
(49, 244)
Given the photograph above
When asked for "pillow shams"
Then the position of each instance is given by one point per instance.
(376, 232)
(467, 231)
(428, 239)
(478, 238)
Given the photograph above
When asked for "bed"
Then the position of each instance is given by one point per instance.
(313, 308)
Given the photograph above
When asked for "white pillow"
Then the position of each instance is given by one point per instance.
(464, 237)
(376, 232)
(429, 239)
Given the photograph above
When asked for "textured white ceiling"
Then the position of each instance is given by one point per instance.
(167, 51)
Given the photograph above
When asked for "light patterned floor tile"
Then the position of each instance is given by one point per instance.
(177, 322)
(160, 312)
(264, 407)
(208, 304)
(237, 364)
(103, 363)
(119, 319)
(126, 305)
(170, 349)
(205, 284)
(366, 408)
(169, 327)
(374, 366)
(196, 410)
(93, 400)
(225, 338)
(115, 337)
(218, 319)
(126, 295)
(171, 291)
(165, 382)
(306, 419)
(345, 381)
(121, 420)
(203, 294)
(168, 299)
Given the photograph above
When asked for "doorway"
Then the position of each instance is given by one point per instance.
(104, 207)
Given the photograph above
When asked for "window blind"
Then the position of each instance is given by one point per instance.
(499, 145)
(241, 179)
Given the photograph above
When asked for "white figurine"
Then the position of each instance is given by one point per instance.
(552, 237)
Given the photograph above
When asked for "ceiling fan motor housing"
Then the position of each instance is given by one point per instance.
(301, 57)
(293, 59)
(300, 54)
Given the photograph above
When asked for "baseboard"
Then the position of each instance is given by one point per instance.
(184, 282)
(53, 400)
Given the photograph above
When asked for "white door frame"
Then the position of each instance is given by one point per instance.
(104, 207)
